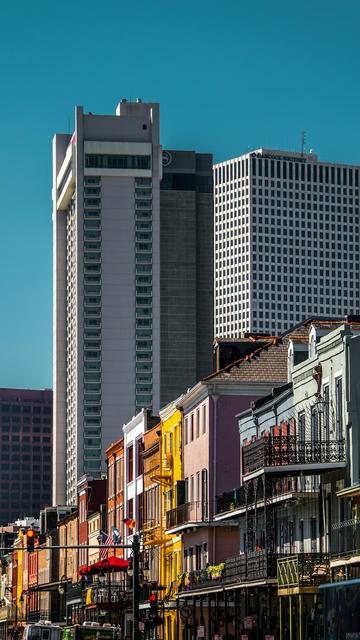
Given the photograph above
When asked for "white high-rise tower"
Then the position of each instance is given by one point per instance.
(106, 217)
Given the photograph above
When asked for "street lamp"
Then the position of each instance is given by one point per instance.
(102, 577)
(62, 591)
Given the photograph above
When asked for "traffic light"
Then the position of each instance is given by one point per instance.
(30, 539)
(153, 601)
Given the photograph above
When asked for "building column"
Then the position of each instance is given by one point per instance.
(301, 621)
(209, 617)
(226, 613)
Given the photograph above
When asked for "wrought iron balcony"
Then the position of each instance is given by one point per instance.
(345, 537)
(105, 594)
(301, 572)
(246, 496)
(282, 454)
(188, 513)
(239, 569)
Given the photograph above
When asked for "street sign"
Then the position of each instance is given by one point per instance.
(186, 612)
(201, 632)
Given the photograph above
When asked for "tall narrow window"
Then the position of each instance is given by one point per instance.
(198, 488)
(198, 550)
(326, 412)
(338, 408)
(130, 464)
(185, 431)
(139, 465)
(130, 509)
(191, 488)
(197, 422)
(301, 421)
(314, 424)
(204, 419)
(140, 512)
(313, 534)
(204, 494)
(301, 536)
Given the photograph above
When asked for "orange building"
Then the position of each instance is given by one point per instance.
(115, 489)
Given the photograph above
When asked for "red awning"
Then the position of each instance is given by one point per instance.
(109, 564)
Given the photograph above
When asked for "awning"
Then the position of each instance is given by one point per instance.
(109, 564)
(349, 492)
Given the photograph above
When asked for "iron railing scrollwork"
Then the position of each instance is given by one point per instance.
(275, 451)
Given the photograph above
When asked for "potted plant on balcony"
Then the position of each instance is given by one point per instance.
(215, 571)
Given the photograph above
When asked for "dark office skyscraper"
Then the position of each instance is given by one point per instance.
(25, 452)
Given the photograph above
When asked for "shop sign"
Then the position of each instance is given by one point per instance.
(249, 622)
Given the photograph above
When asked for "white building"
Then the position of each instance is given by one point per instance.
(106, 217)
(133, 470)
(286, 241)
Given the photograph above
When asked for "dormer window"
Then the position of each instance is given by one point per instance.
(312, 343)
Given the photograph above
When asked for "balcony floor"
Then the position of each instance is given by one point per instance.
(315, 468)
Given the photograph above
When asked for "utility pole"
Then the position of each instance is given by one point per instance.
(136, 587)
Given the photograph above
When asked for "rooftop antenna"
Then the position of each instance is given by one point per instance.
(303, 140)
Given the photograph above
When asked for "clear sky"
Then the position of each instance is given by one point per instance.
(230, 75)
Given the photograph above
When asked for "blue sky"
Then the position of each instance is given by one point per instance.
(229, 75)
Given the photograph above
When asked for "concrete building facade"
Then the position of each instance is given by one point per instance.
(111, 234)
(286, 241)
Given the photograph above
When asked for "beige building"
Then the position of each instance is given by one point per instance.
(68, 558)
(94, 529)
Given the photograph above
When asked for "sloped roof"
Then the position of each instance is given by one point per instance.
(269, 363)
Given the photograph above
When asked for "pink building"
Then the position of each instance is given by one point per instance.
(211, 451)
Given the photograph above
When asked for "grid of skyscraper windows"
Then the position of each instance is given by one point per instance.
(92, 325)
(143, 302)
(287, 241)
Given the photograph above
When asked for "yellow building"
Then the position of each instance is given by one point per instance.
(171, 487)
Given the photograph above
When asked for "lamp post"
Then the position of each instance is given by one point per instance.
(62, 592)
(136, 587)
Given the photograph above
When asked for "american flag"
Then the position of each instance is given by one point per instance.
(106, 540)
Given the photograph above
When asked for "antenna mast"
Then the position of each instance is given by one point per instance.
(303, 140)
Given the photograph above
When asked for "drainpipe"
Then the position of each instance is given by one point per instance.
(215, 401)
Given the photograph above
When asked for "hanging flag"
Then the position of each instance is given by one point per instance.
(129, 522)
(104, 550)
(116, 535)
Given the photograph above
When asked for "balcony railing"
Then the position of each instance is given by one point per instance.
(242, 568)
(190, 512)
(242, 497)
(345, 537)
(303, 570)
(105, 594)
(281, 451)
